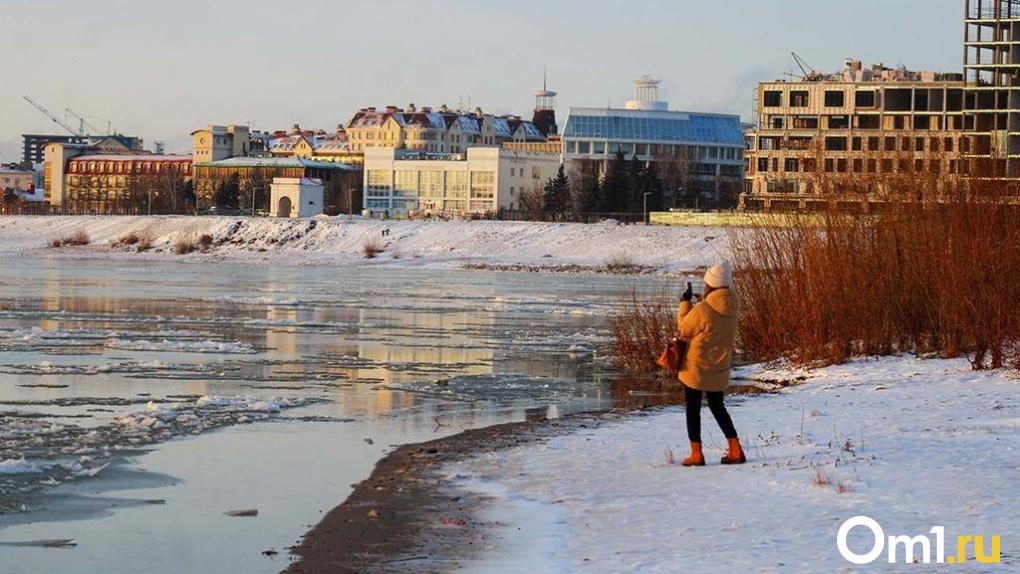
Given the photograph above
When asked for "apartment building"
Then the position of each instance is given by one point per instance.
(316, 145)
(857, 121)
(435, 131)
(80, 178)
(478, 180)
(991, 39)
(15, 179)
(883, 121)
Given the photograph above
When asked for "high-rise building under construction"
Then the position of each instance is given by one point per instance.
(991, 66)
(870, 123)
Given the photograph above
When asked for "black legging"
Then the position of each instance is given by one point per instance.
(715, 403)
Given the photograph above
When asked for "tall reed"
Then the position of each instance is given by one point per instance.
(933, 269)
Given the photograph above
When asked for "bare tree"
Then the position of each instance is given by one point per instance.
(532, 199)
(675, 172)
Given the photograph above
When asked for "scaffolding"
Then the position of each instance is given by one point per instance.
(991, 64)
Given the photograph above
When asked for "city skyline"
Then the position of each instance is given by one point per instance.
(183, 69)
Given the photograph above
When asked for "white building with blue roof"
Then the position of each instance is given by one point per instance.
(702, 153)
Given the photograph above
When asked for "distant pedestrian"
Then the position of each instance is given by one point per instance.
(709, 328)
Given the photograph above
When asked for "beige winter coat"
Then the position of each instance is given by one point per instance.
(709, 328)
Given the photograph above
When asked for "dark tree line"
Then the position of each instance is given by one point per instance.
(621, 189)
(228, 193)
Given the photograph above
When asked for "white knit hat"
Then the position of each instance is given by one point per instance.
(720, 276)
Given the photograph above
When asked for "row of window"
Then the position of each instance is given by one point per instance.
(86, 180)
(12, 181)
(412, 133)
(677, 127)
(428, 205)
(863, 122)
(130, 167)
(858, 165)
(654, 150)
(871, 144)
(895, 99)
(832, 98)
(436, 184)
(536, 173)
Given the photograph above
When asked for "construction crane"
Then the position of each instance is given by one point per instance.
(810, 74)
(83, 123)
(56, 120)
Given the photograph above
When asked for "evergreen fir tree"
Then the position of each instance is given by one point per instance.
(651, 184)
(635, 184)
(590, 197)
(614, 196)
(189, 192)
(229, 192)
(556, 194)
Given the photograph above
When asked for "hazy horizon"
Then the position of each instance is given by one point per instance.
(159, 72)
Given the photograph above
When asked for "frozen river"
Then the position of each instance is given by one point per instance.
(141, 401)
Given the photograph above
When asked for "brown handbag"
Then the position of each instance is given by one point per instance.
(672, 356)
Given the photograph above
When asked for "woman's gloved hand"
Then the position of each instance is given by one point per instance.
(688, 294)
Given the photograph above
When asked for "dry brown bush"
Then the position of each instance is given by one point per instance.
(130, 238)
(821, 478)
(144, 244)
(372, 248)
(79, 237)
(641, 329)
(935, 269)
(205, 241)
(185, 244)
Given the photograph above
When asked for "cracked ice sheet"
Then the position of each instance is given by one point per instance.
(930, 443)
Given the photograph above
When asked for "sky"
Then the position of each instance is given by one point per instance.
(160, 69)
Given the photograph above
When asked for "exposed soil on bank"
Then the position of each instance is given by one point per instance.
(408, 518)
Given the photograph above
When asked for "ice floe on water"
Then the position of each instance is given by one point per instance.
(496, 388)
(18, 466)
(35, 453)
(266, 301)
(177, 346)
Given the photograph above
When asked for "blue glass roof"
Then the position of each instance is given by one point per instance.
(676, 127)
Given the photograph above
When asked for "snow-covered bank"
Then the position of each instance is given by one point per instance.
(339, 240)
(911, 443)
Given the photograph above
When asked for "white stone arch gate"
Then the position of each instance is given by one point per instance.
(284, 207)
(295, 197)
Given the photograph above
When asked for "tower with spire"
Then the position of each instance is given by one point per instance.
(544, 117)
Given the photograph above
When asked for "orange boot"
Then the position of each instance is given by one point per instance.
(695, 458)
(735, 454)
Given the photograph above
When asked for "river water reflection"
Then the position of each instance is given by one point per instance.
(140, 401)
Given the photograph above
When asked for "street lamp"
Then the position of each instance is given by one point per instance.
(645, 201)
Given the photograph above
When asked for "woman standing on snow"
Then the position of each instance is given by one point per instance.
(709, 328)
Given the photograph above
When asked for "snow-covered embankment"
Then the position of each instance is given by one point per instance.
(911, 443)
(339, 240)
